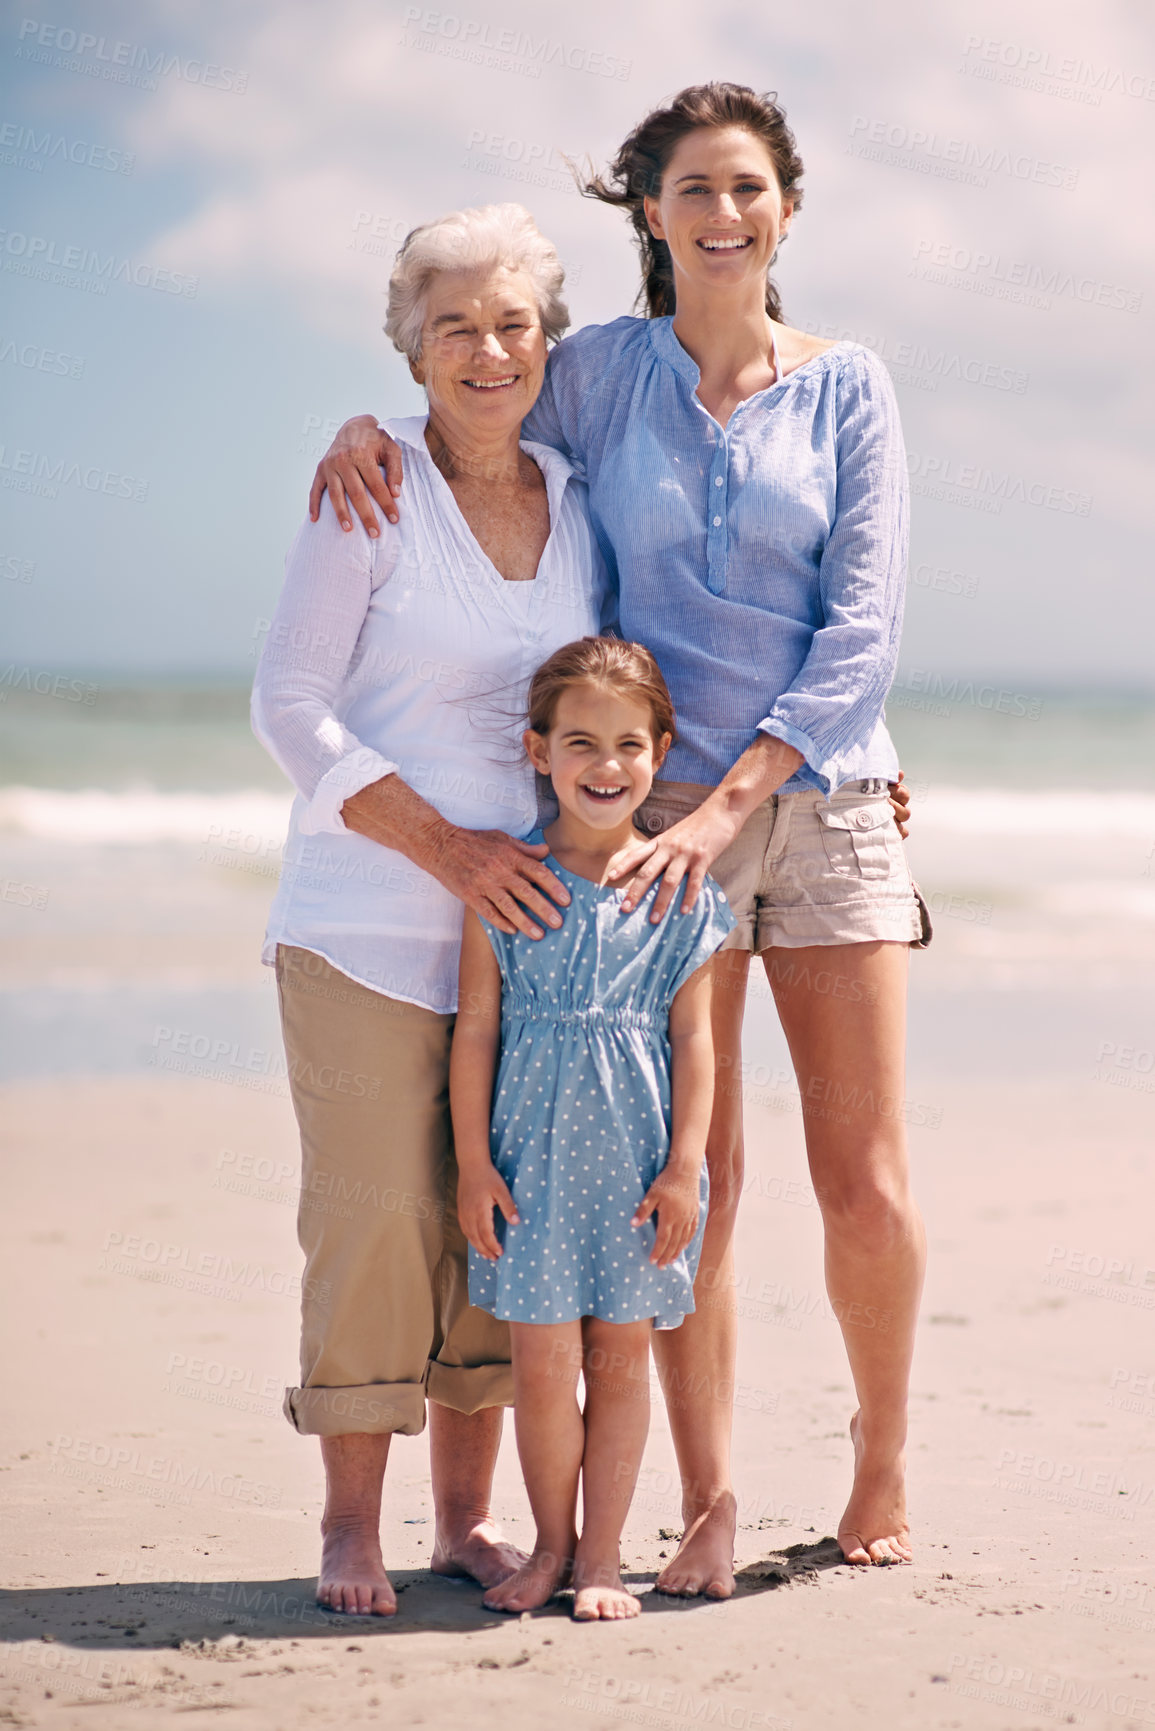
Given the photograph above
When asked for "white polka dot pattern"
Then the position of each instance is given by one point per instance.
(581, 1114)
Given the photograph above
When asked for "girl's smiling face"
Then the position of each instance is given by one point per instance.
(600, 754)
(720, 209)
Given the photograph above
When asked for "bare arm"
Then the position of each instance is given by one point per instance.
(472, 1067)
(351, 470)
(674, 1192)
(504, 880)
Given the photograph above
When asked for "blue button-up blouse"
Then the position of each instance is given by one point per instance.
(764, 562)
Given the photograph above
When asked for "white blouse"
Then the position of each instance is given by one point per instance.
(409, 655)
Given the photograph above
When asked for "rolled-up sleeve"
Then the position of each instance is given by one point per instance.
(305, 665)
(836, 700)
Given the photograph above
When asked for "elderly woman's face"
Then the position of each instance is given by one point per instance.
(482, 349)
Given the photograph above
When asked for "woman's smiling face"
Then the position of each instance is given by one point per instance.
(482, 349)
(720, 209)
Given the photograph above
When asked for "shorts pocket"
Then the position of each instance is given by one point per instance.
(856, 836)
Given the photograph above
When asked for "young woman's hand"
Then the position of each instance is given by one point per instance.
(674, 1195)
(688, 849)
(680, 857)
(479, 1192)
(900, 805)
(351, 470)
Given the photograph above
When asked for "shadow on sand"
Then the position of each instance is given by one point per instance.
(140, 1615)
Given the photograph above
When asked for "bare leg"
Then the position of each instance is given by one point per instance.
(462, 1455)
(700, 1355)
(550, 1439)
(617, 1419)
(848, 1053)
(352, 1577)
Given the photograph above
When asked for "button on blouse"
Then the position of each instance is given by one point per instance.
(763, 562)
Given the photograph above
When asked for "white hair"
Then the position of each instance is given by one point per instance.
(491, 236)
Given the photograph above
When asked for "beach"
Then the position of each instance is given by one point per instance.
(162, 1516)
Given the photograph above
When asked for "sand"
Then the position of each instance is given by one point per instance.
(161, 1516)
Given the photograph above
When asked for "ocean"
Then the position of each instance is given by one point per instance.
(141, 824)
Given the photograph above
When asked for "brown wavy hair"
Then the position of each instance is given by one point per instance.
(636, 172)
(625, 668)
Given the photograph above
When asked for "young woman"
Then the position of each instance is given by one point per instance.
(747, 484)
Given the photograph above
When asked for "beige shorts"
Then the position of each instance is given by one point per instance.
(385, 1311)
(807, 871)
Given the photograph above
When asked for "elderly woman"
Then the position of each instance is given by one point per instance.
(376, 693)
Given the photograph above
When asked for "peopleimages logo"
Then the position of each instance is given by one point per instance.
(38, 359)
(502, 47)
(37, 473)
(926, 151)
(940, 477)
(82, 267)
(24, 147)
(73, 50)
(1031, 67)
(977, 271)
(922, 364)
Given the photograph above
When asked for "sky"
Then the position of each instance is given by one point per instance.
(201, 205)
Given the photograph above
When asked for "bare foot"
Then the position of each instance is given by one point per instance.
(598, 1591)
(704, 1561)
(533, 1585)
(874, 1528)
(353, 1577)
(594, 1604)
(475, 1551)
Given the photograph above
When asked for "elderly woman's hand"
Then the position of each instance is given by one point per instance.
(504, 880)
(351, 471)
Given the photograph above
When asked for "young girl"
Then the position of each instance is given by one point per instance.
(582, 1186)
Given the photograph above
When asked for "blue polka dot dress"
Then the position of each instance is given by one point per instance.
(581, 1114)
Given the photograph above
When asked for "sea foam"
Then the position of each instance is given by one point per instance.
(142, 814)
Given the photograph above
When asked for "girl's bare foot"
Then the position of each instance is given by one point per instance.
(704, 1560)
(352, 1577)
(598, 1590)
(592, 1604)
(874, 1528)
(531, 1586)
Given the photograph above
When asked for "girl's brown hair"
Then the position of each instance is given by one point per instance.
(625, 668)
(636, 172)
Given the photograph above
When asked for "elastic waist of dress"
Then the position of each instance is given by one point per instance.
(530, 1010)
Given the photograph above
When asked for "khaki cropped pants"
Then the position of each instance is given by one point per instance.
(385, 1312)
